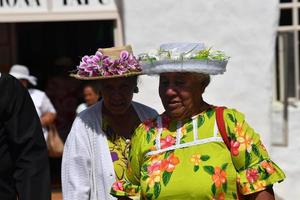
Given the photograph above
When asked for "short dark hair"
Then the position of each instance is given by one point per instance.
(204, 79)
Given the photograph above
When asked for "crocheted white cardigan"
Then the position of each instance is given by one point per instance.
(87, 167)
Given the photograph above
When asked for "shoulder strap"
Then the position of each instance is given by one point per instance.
(221, 125)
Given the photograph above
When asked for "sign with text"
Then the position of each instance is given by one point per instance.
(33, 6)
(9, 6)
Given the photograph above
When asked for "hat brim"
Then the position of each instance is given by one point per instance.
(211, 67)
(77, 76)
(31, 79)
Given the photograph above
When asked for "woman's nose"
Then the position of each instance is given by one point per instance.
(170, 91)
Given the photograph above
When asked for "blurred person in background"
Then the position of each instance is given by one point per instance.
(42, 103)
(96, 150)
(24, 168)
(91, 95)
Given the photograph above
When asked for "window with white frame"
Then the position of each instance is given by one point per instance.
(287, 71)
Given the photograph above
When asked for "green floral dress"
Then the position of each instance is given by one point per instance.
(189, 160)
(118, 147)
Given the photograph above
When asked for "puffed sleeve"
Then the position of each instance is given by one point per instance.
(76, 164)
(255, 170)
(130, 185)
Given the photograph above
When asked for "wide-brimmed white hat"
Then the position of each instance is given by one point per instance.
(184, 57)
(22, 72)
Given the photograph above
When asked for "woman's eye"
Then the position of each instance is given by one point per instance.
(179, 82)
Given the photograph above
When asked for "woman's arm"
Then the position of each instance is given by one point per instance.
(76, 164)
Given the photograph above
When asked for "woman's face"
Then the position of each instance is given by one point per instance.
(117, 94)
(180, 93)
(90, 96)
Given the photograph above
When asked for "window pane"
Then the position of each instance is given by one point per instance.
(286, 18)
(289, 64)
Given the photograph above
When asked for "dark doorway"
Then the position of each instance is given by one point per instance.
(51, 50)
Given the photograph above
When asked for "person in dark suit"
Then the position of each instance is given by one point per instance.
(24, 167)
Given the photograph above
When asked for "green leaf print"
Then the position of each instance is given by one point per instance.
(264, 175)
(145, 177)
(210, 113)
(201, 120)
(156, 190)
(247, 159)
(167, 154)
(204, 157)
(224, 186)
(189, 128)
(149, 196)
(213, 189)
(255, 150)
(231, 117)
(166, 177)
(196, 168)
(231, 135)
(148, 136)
(234, 196)
(224, 166)
(209, 169)
(148, 188)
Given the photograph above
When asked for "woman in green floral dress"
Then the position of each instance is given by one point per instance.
(181, 154)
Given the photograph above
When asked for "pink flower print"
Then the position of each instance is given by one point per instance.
(167, 141)
(234, 148)
(118, 186)
(252, 175)
(165, 121)
(148, 124)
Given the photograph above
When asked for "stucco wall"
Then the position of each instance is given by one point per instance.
(244, 29)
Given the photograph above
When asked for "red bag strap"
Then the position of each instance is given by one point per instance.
(221, 125)
(223, 132)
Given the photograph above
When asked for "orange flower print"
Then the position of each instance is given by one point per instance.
(167, 141)
(221, 196)
(170, 163)
(196, 159)
(259, 185)
(154, 177)
(118, 186)
(238, 129)
(234, 148)
(252, 175)
(268, 166)
(154, 171)
(246, 189)
(219, 177)
(245, 142)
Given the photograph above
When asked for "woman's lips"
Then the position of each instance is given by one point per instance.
(174, 104)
